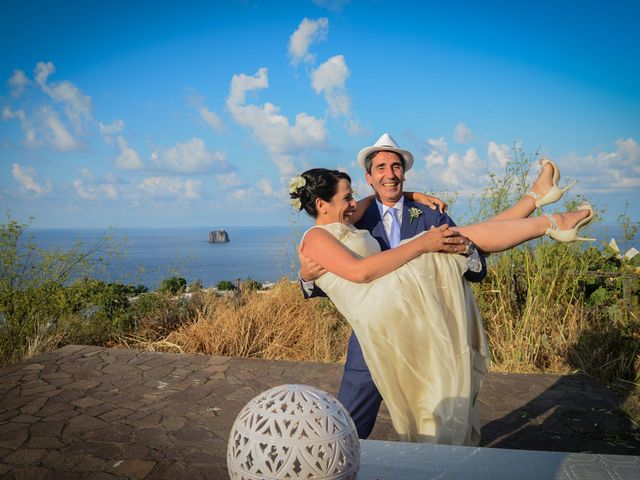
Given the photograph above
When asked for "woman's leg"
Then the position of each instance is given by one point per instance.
(526, 205)
(499, 235)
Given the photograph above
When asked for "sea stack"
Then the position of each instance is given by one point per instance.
(218, 236)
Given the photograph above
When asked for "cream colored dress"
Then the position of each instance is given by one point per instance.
(422, 339)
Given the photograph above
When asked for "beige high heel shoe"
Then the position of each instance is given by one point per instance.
(570, 235)
(554, 194)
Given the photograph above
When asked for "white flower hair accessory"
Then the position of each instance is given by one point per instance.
(295, 183)
(296, 203)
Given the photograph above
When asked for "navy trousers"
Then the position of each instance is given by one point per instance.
(358, 393)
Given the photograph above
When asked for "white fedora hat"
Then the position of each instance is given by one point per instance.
(386, 144)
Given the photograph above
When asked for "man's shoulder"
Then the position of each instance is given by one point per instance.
(429, 216)
(370, 217)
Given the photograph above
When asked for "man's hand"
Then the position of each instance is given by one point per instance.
(310, 271)
(445, 240)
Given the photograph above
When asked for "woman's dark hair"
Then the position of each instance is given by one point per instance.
(319, 183)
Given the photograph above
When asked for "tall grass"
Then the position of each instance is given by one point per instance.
(276, 324)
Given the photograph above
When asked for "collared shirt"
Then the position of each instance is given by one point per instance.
(386, 219)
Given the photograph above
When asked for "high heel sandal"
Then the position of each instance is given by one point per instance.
(570, 235)
(554, 193)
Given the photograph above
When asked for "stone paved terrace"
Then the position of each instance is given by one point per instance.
(91, 412)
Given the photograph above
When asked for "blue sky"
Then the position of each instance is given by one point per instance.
(164, 114)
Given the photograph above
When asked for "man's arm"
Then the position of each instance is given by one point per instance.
(310, 271)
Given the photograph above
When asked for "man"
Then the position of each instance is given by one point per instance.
(389, 219)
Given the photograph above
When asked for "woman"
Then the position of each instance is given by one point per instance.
(415, 317)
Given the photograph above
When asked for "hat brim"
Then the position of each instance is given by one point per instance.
(405, 154)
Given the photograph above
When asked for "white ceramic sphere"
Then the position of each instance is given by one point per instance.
(293, 431)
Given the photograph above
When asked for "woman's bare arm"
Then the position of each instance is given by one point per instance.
(361, 207)
(428, 200)
(324, 249)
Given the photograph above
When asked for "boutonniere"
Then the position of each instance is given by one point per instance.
(414, 212)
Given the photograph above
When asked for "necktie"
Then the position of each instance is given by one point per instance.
(394, 231)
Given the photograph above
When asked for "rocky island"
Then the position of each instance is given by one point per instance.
(218, 236)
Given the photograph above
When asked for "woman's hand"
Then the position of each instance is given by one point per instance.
(443, 239)
(428, 200)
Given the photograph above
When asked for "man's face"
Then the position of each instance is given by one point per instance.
(386, 177)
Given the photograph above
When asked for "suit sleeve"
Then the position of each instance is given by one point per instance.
(469, 275)
(316, 292)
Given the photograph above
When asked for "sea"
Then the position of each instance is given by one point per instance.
(265, 254)
(149, 255)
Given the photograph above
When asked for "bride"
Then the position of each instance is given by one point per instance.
(412, 311)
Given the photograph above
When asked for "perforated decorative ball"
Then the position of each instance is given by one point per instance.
(293, 431)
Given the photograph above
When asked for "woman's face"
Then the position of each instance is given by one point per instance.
(342, 204)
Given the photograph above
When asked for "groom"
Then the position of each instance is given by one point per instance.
(389, 219)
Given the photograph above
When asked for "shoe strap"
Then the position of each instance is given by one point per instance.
(552, 221)
(535, 195)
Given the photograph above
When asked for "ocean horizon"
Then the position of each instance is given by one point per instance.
(149, 255)
(265, 253)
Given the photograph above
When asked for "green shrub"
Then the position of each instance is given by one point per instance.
(225, 285)
(173, 285)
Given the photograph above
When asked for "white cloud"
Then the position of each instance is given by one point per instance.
(210, 117)
(265, 186)
(163, 186)
(78, 106)
(329, 79)
(270, 127)
(438, 151)
(192, 157)
(108, 131)
(128, 158)
(228, 180)
(25, 124)
(499, 154)
(18, 83)
(61, 137)
(262, 193)
(93, 189)
(307, 33)
(605, 172)
(27, 179)
(461, 133)
(465, 172)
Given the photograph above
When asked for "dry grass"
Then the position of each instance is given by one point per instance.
(277, 324)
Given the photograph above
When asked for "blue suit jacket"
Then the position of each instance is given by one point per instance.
(372, 222)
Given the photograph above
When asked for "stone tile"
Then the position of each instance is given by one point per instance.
(86, 402)
(24, 419)
(15, 440)
(89, 463)
(115, 414)
(83, 423)
(82, 385)
(48, 443)
(25, 456)
(31, 473)
(137, 469)
(47, 428)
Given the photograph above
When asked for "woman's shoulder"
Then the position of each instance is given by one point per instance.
(338, 230)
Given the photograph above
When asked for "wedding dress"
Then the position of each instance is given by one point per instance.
(422, 339)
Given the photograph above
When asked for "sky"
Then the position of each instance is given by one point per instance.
(193, 113)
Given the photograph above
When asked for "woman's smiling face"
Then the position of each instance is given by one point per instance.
(342, 204)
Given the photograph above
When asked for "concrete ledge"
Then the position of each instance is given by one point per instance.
(409, 461)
